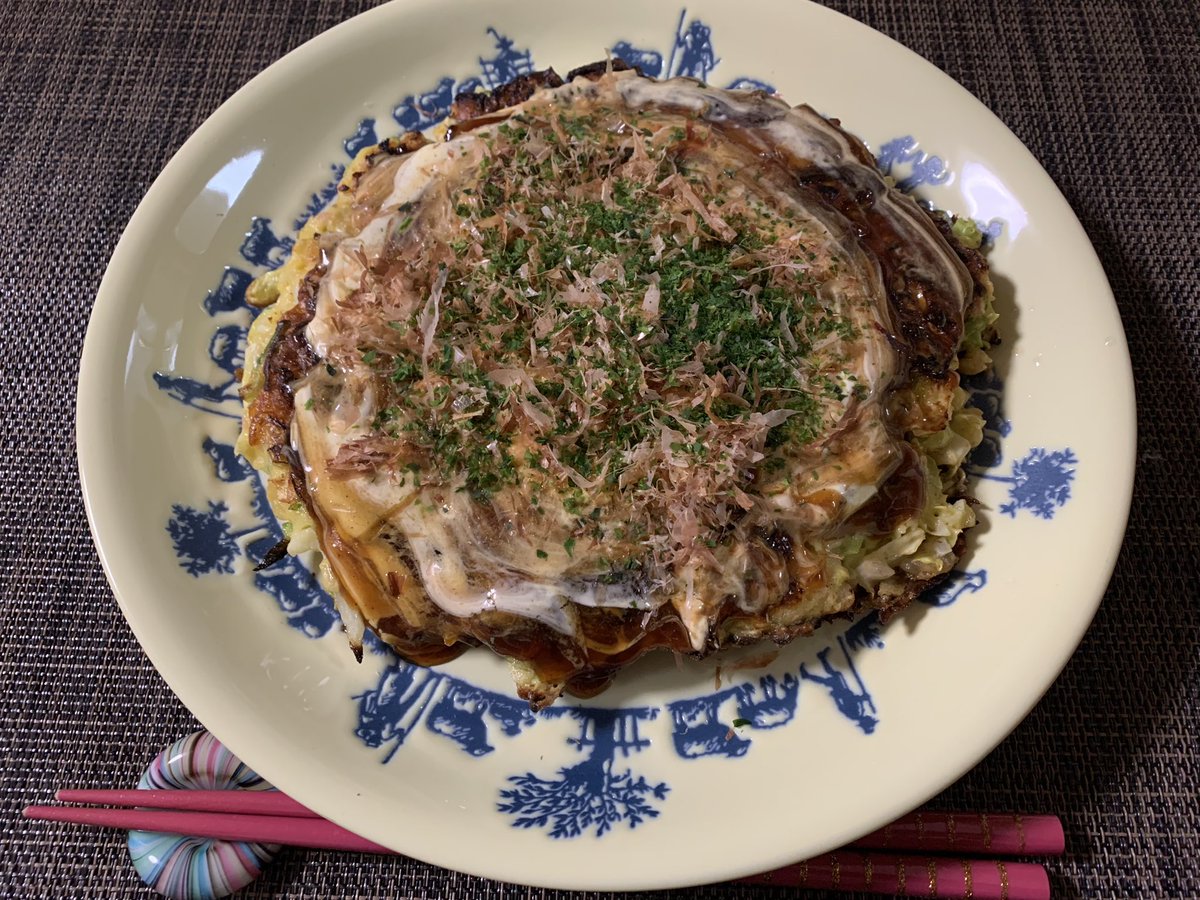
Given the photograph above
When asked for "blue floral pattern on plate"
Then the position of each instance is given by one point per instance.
(601, 790)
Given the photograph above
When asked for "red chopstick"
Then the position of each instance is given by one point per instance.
(929, 876)
(274, 818)
(938, 832)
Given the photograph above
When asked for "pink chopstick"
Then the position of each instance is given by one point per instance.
(274, 818)
(262, 803)
(295, 831)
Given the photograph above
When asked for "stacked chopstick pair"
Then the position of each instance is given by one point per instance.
(924, 854)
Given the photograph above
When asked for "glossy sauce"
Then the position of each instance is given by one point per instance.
(910, 306)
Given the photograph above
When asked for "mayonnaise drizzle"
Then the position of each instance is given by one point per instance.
(465, 576)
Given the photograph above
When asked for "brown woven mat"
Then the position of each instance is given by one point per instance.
(95, 95)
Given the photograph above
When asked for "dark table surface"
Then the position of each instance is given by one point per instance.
(95, 96)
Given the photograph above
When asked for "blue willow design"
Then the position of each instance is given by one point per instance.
(1040, 481)
(192, 868)
(205, 542)
(593, 793)
(596, 793)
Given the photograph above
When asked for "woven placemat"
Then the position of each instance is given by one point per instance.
(95, 95)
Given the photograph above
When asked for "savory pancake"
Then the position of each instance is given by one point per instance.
(618, 364)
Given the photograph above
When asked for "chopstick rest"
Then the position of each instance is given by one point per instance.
(196, 868)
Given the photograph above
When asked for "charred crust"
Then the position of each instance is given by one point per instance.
(929, 325)
(592, 71)
(393, 146)
(971, 257)
(272, 556)
(539, 696)
(591, 682)
(269, 417)
(417, 646)
(288, 357)
(408, 142)
(470, 105)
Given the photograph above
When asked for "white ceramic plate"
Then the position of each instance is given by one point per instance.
(650, 785)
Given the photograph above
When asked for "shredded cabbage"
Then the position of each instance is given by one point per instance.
(922, 548)
(967, 232)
